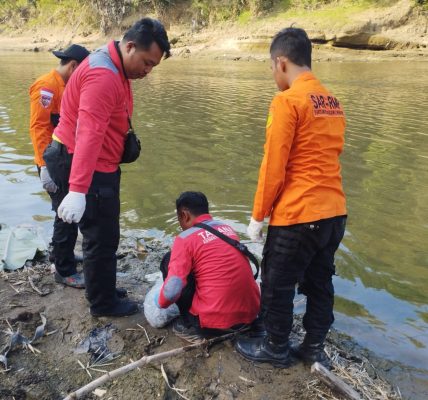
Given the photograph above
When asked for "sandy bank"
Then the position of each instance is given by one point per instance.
(53, 369)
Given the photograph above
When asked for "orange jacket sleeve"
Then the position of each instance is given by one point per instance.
(43, 102)
(280, 130)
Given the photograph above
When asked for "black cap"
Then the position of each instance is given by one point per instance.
(75, 52)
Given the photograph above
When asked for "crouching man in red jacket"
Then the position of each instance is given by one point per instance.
(210, 281)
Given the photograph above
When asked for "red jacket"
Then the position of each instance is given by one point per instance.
(94, 119)
(226, 293)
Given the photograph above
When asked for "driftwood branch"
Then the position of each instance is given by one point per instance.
(141, 362)
(333, 382)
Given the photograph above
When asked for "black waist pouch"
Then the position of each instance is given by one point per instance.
(132, 148)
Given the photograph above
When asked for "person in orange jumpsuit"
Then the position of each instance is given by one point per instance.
(45, 103)
(300, 190)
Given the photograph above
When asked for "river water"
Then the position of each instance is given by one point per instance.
(202, 128)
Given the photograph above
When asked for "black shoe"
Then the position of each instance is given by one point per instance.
(121, 293)
(122, 308)
(310, 353)
(185, 330)
(262, 349)
(257, 328)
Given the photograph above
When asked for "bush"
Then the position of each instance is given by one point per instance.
(260, 6)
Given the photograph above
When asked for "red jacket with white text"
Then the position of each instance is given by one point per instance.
(226, 293)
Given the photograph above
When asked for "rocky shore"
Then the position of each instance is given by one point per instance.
(54, 365)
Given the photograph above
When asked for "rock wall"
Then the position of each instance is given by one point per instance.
(401, 26)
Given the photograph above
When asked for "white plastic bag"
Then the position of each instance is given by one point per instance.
(18, 245)
(158, 317)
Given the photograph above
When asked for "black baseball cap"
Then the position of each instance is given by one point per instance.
(75, 52)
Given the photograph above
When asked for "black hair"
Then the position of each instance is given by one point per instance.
(294, 44)
(146, 31)
(195, 202)
(65, 61)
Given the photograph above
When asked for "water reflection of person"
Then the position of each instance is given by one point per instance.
(210, 281)
(45, 102)
(88, 146)
(300, 189)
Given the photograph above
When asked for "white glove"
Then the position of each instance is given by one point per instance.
(72, 207)
(254, 230)
(47, 182)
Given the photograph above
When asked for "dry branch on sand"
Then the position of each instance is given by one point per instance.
(348, 380)
(27, 278)
(355, 376)
(139, 363)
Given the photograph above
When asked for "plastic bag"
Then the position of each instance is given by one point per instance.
(158, 317)
(18, 245)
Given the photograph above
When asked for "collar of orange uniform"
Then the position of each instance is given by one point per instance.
(304, 76)
(58, 77)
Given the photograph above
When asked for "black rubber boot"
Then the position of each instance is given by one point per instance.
(310, 352)
(121, 293)
(262, 349)
(122, 308)
(102, 293)
(257, 328)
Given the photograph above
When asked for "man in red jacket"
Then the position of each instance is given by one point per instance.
(210, 280)
(87, 148)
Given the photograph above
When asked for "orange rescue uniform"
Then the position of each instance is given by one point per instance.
(45, 101)
(299, 178)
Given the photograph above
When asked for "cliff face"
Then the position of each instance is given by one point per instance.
(400, 26)
(346, 24)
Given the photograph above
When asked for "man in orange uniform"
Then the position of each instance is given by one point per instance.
(300, 189)
(45, 102)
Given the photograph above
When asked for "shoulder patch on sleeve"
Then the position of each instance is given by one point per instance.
(46, 97)
(269, 119)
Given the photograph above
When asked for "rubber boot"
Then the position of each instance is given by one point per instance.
(122, 308)
(257, 328)
(120, 292)
(263, 349)
(101, 292)
(311, 350)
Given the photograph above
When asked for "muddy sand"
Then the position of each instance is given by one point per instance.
(51, 367)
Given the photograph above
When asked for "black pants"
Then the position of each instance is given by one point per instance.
(99, 226)
(58, 164)
(304, 254)
(185, 300)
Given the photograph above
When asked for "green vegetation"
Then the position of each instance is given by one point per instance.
(107, 14)
(17, 14)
